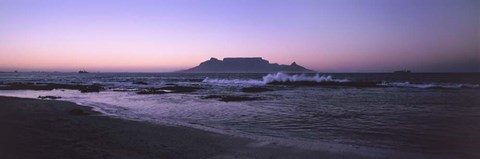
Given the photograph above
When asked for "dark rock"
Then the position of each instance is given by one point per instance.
(329, 84)
(227, 98)
(151, 91)
(51, 86)
(25, 86)
(237, 98)
(255, 89)
(123, 89)
(140, 83)
(92, 88)
(212, 97)
(49, 97)
(77, 112)
(168, 89)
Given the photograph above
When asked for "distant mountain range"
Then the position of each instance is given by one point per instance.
(244, 65)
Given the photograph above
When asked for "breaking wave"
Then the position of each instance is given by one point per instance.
(233, 81)
(279, 77)
(429, 85)
(283, 78)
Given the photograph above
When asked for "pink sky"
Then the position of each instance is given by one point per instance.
(328, 36)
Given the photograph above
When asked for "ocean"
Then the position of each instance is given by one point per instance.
(413, 113)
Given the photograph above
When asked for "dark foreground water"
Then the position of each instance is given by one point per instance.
(419, 113)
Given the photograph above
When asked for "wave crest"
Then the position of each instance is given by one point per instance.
(233, 81)
(283, 78)
(327, 80)
(279, 77)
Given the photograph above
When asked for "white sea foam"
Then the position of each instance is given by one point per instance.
(283, 77)
(233, 81)
(428, 85)
(286, 78)
(277, 77)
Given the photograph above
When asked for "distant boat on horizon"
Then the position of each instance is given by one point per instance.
(82, 71)
(402, 72)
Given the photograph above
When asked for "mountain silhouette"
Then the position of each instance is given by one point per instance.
(244, 65)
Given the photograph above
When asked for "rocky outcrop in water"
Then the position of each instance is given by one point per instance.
(52, 86)
(328, 84)
(49, 97)
(255, 89)
(170, 89)
(231, 98)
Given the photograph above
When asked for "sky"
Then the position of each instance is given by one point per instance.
(169, 35)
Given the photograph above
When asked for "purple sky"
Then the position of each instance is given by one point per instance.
(156, 36)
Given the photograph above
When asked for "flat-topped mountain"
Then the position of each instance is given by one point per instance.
(244, 65)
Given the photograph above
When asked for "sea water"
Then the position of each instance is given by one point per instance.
(418, 112)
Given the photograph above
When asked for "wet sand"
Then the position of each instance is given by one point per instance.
(47, 129)
(40, 129)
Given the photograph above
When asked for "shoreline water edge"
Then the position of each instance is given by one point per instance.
(51, 129)
(60, 129)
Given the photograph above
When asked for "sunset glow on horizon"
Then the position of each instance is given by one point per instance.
(160, 36)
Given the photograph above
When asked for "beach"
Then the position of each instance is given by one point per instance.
(239, 79)
(34, 128)
(143, 115)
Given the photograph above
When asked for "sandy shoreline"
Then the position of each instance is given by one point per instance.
(33, 128)
(46, 129)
